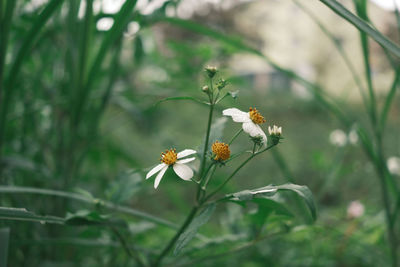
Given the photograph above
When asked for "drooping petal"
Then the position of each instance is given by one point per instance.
(254, 130)
(155, 170)
(237, 115)
(160, 176)
(183, 161)
(251, 128)
(183, 171)
(261, 132)
(186, 152)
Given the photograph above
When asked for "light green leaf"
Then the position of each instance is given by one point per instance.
(271, 190)
(194, 226)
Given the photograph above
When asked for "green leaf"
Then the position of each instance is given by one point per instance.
(362, 26)
(271, 190)
(86, 217)
(181, 98)
(82, 198)
(4, 240)
(22, 214)
(194, 226)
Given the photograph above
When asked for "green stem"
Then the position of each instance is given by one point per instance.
(176, 236)
(236, 171)
(204, 187)
(132, 253)
(236, 135)
(81, 198)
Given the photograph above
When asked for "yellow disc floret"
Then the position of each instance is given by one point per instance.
(221, 151)
(169, 157)
(255, 116)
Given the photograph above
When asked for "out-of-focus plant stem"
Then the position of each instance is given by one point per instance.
(5, 23)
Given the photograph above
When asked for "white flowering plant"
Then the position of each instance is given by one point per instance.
(216, 155)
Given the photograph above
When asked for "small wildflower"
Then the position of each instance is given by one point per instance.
(393, 165)
(275, 130)
(353, 137)
(170, 158)
(251, 121)
(355, 209)
(338, 138)
(211, 71)
(221, 151)
(205, 89)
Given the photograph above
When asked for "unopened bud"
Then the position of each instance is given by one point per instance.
(211, 71)
(205, 89)
(221, 84)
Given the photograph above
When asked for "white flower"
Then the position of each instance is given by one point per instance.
(170, 158)
(338, 138)
(250, 120)
(393, 164)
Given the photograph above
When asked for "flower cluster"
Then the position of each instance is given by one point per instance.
(251, 124)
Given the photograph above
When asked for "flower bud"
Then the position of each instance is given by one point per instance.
(221, 84)
(211, 71)
(275, 133)
(205, 89)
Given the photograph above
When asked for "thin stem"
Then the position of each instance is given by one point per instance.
(132, 253)
(204, 187)
(236, 135)
(236, 171)
(176, 236)
(229, 178)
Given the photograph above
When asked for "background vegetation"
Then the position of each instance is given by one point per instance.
(82, 121)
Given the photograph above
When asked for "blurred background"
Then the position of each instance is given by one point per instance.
(81, 88)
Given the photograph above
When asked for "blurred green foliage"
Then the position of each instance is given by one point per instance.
(81, 113)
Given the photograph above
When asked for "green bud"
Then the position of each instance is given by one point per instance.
(205, 89)
(211, 71)
(221, 84)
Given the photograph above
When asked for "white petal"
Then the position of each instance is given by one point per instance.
(254, 130)
(159, 176)
(237, 115)
(183, 171)
(155, 170)
(261, 132)
(185, 153)
(182, 161)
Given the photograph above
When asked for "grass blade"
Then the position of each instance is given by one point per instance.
(23, 51)
(362, 26)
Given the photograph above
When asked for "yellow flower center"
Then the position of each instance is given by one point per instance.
(169, 157)
(221, 151)
(255, 116)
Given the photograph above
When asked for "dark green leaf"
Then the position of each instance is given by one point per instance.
(4, 239)
(194, 226)
(86, 217)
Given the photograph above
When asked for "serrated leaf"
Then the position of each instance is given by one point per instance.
(194, 226)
